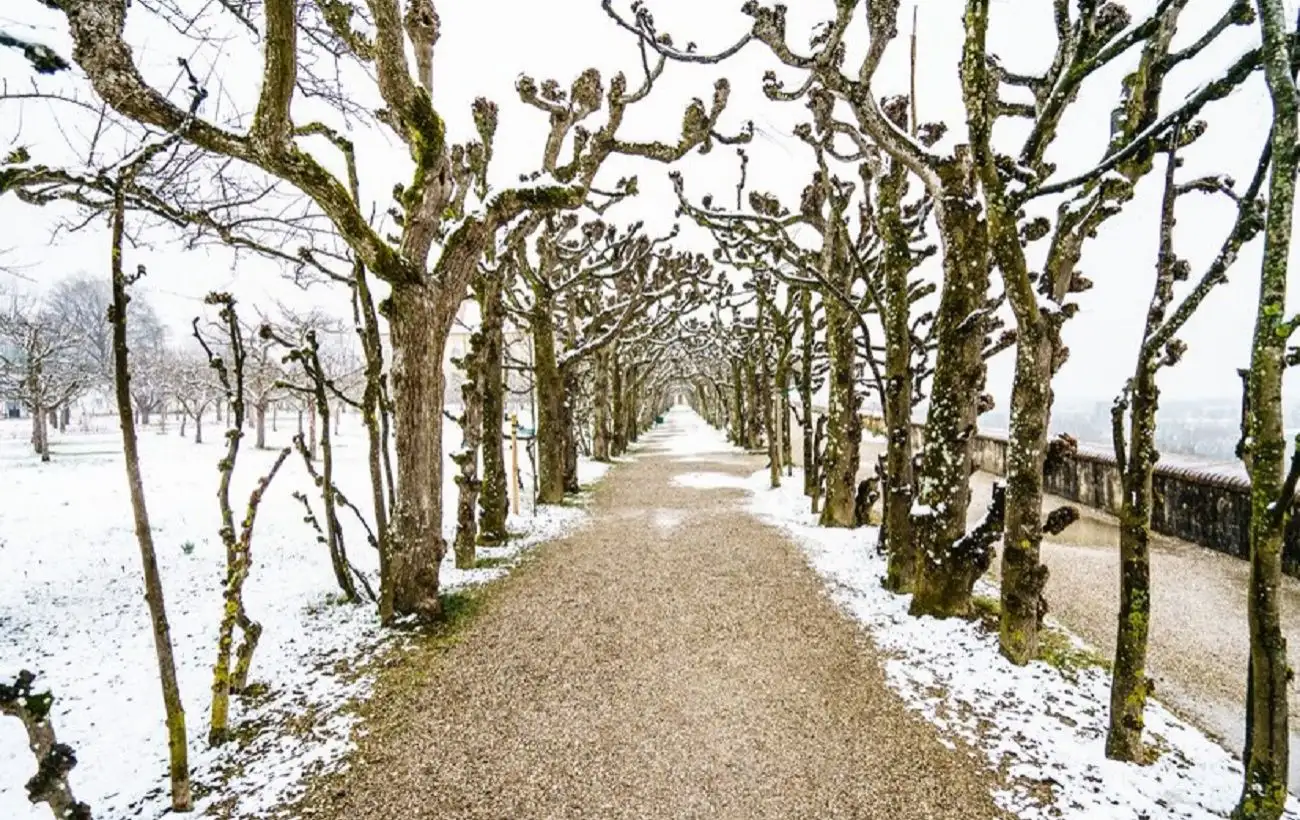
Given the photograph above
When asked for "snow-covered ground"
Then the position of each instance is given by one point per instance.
(1044, 728)
(72, 610)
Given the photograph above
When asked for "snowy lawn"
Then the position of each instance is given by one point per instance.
(72, 610)
(1042, 727)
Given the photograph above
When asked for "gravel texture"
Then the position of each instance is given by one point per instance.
(675, 658)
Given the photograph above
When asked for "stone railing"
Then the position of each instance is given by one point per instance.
(1200, 504)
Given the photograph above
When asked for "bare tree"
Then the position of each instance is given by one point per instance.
(1135, 452)
(239, 557)
(39, 366)
(195, 389)
(1272, 496)
(120, 317)
(432, 208)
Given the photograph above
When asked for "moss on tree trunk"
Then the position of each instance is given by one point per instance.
(1264, 792)
(1023, 574)
(493, 502)
(417, 546)
(843, 423)
(946, 574)
(550, 406)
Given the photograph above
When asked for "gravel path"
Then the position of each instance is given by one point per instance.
(673, 659)
(1199, 636)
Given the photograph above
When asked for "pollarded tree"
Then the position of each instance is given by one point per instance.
(1135, 450)
(583, 293)
(1272, 497)
(962, 320)
(433, 208)
(1096, 36)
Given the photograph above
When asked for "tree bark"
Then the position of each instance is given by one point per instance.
(550, 422)
(948, 565)
(600, 433)
(569, 376)
(618, 446)
(738, 402)
(54, 760)
(467, 482)
(843, 423)
(1264, 791)
(806, 392)
(896, 481)
(494, 502)
(1023, 575)
(417, 545)
(173, 706)
(333, 531)
(259, 411)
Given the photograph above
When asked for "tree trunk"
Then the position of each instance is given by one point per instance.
(37, 415)
(374, 417)
(896, 479)
(619, 444)
(198, 426)
(259, 412)
(1129, 684)
(949, 565)
(600, 430)
(738, 401)
(550, 422)
(275, 416)
(333, 531)
(1023, 575)
(467, 482)
(767, 395)
(494, 502)
(843, 424)
(312, 438)
(1264, 792)
(417, 547)
(806, 392)
(570, 380)
(173, 706)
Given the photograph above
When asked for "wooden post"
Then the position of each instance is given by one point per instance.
(514, 462)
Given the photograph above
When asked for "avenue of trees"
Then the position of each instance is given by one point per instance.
(827, 294)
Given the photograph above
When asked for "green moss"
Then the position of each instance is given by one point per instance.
(988, 610)
(491, 562)
(1057, 648)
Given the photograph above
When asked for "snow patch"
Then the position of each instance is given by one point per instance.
(1047, 730)
(73, 612)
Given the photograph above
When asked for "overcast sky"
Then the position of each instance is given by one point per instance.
(486, 44)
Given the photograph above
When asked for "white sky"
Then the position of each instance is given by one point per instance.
(486, 44)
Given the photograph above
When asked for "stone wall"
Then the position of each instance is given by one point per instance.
(1203, 506)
